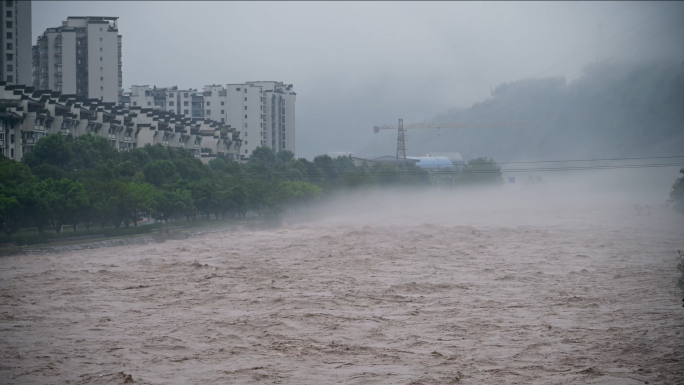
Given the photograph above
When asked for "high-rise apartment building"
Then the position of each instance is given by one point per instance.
(82, 57)
(263, 112)
(15, 31)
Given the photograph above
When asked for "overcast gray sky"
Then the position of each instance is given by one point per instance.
(358, 64)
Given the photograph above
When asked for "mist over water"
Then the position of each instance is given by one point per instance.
(560, 198)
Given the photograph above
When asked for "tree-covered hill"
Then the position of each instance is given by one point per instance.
(612, 110)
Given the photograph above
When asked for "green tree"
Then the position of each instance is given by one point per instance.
(169, 205)
(90, 150)
(45, 171)
(677, 193)
(285, 155)
(160, 172)
(480, 171)
(54, 149)
(65, 200)
(129, 199)
(9, 206)
(202, 196)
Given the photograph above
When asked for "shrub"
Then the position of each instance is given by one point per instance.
(32, 239)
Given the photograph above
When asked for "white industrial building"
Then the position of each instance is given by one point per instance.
(263, 111)
(15, 29)
(82, 57)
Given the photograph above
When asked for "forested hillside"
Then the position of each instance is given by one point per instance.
(612, 110)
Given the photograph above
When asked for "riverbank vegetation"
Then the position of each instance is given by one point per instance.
(86, 185)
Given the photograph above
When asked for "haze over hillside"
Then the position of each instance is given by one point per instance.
(614, 109)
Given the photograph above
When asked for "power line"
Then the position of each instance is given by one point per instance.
(546, 161)
(594, 160)
(467, 172)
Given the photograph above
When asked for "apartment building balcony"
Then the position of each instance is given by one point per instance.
(28, 141)
(223, 93)
(65, 131)
(207, 93)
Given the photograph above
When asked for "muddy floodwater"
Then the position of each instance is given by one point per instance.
(517, 295)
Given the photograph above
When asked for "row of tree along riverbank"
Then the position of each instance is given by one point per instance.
(84, 183)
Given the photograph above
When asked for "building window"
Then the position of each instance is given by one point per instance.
(246, 142)
(135, 103)
(185, 95)
(170, 104)
(10, 78)
(223, 103)
(10, 68)
(223, 120)
(101, 88)
(208, 112)
(237, 89)
(245, 125)
(186, 112)
(208, 103)
(9, 13)
(100, 30)
(9, 46)
(245, 107)
(9, 3)
(246, 152)
(186, 104)
(100, 58)
(100, 49)
(8, 24)
(101, 78)
(245, 97)
(245, 90)
(223, 112)
(9, 56)
(9, 35)
(149, 103)
(171, 94)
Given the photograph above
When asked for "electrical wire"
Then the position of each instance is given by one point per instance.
(468, 172)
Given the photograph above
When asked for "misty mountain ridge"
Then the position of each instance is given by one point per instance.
(611, 110)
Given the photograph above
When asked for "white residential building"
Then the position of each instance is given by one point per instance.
(82, 57)
(262, 111)
(15, 30)
(27, 114)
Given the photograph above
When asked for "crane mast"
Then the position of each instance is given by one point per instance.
(401, 132)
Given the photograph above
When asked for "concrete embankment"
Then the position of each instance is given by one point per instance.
(81, 243)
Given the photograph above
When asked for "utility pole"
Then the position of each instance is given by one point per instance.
(401, 142)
